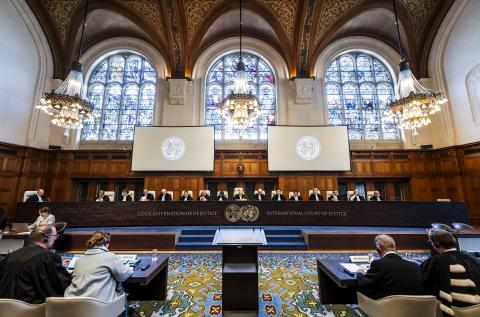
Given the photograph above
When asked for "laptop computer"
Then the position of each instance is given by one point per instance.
(470, 245)
(20, 227)
(9, 245)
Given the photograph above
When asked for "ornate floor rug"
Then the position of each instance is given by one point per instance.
(288, 286)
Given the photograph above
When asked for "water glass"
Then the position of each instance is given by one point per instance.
(154, 255)
(408, 256)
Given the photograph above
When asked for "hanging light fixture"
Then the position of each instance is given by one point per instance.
(240, 107)
(67, 108)
(414, 103)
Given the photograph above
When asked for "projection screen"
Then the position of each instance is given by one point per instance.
(297, 148)
(173, 149)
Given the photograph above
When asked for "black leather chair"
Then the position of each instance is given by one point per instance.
(441, 226)
(462, 226)
(3, 218)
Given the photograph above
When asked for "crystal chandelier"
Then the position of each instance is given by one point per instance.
(414, 103)
(240, 107)
(67, 108)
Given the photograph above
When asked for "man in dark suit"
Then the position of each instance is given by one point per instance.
(376, 196)
(221, 196)
(296, 196)
(146, 196)
(259, 196)
(125, 196)
(38, 197)
(333, 196)
(185, 196)
(164, 196)
(390, 275)
(278, 195)
(101, 196)
(203, 196)
(316, 195)
(33, 273)
(356, 196)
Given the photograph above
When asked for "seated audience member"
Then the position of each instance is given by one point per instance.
(259, 196)
(221, 196)
(38, 197)
(203, 196)
(296, 196)
(376, 196)
(33, 273)
(240, 195)
(185, 196)
(164, 196)
(333, 196)
(390, 275)
(44, 218)
(316, 195)
(453, 276)
(146, 196)
(356, 196)
(97, 273)
(125, 196)
(101, 196)
(278, 195)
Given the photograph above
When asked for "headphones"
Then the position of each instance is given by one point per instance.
(45, 235)
(432, 236)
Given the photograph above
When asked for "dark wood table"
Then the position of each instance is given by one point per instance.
(336, 286)
(150, 284)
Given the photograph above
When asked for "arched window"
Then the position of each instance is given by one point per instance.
(122, 91)
(358, 88)
(220, 81)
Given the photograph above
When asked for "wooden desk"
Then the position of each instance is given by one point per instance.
(335, 285)
(150, 284)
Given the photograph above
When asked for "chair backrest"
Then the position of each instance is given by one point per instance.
(398, 306)
(154, 193)
(27, 194)
(206, 190)
(110, 194)
(441, 226)
(83, 306)
(329, 193)
(472, 311)
(370, 194)
(17, 308)
(462, 226)
(131, 193)
(225, 193)
(237, 190)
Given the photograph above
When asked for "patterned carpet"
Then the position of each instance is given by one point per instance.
(288, 286)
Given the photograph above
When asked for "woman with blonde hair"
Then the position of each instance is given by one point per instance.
(97, 273)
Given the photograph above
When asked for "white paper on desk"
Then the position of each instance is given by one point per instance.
(129, 257)
(25, 232)
(71, 264)
(350, 267)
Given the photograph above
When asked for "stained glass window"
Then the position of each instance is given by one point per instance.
(358, 89)
(220, 82)
(122, 91)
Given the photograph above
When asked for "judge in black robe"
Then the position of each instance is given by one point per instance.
(125, 196)
(278, 196)
(146, 195)
(453, 276)
(356, 196)
(316, 195)
(101, 196)
(185, 196)
(221, 196)
(164, 196)
(296, 196)
(33, 273)
(239, 196)
(203, 196)
(259, 195)
(38, 197)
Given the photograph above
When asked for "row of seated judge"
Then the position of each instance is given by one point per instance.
(258, 195)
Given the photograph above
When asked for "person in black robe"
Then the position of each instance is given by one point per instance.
(38, 197)
(164, 196)
(390, 275)
(33, 273)
(185, 196)
(356, 196)
(203, 196)
(101, 196)
(296, 196)
(146, 195)
(259, 196)
(376, 196)
(333, 196)
(451, 275)
(316, 195)
(240, 195)
(221, 196)
(125, 196)
(278, 195)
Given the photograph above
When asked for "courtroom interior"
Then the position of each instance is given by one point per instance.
(240, 158)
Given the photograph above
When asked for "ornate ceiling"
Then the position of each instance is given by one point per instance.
(181, 29)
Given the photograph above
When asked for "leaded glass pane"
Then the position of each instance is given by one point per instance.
(128, 98)
(220, 83)
(358, 89)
